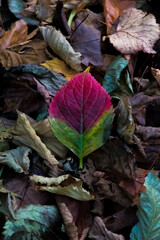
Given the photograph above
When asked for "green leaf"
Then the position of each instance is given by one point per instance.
(16, 159)
(117, 79)
(59, 44)
(31, 222)
(125, 120)
(64, 185)
(148, 227)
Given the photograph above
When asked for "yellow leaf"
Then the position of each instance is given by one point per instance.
(59, 66)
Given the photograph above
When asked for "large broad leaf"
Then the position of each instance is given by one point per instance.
(63, 185)
(81, 115)
(136, 31)
(61, 47)
(16, 158)
(31, 222)
(148, 227)
(116, 81)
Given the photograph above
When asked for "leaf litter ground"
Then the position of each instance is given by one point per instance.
(79, 120)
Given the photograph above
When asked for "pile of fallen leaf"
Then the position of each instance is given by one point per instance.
(79, 120)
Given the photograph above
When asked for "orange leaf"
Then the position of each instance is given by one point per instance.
(114, 8)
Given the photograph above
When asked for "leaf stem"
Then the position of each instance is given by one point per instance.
(81, 162)
(71, 16)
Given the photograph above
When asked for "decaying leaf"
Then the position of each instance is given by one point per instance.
(64, 185)
(31, 52)
(76, 217)
(59, 66)
(16, 159)
(114, 8)
(100, 232)
(125, 120)
(61, 47)
(17, 34)
(24, 133)
(156, 74)
(148, 226)
(136, 31)
(79, 122)
(31, 222)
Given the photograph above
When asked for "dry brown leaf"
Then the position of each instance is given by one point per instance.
(100, 232)
(156, 74)
(30, 52)
(114, 8)
(17, 34)
(60, 66)
(136, 31)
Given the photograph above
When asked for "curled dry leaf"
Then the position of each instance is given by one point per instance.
(61, 47)
(64, 185)
(100, 232)
(114, 8)
(17, 34)
(136, 31)
(156, 74)
(76, 217)
(24, 133)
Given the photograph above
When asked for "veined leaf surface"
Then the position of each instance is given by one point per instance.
(81, 115)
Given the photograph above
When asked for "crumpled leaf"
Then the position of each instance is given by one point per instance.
(17, 8)
(17, 34)
(116, 81)
(148, 226)
(30, 52)
(125, 122)
(31, 222)
(59, 66)
(64, 185)
(61, 47)
(156, 74)
(17, 159)
(50, 79)
(76, 217)
(114, 8)
(44, 131)
(25, 134)
(81, 115)
(100, 232)
(3, 137)
(86, 40)
(136, 31)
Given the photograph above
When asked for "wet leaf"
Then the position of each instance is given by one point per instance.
(64, 185)
(148, 226)
(61, 47)
(114, 8)
(136, 31)
(31, 222)
(25, 134)
(16, 159)
(59, 66)
(81, 124)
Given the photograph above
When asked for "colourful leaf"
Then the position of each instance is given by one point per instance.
(81, 115)
(148, 227)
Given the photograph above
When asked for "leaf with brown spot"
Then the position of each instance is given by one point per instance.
(136, 31)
